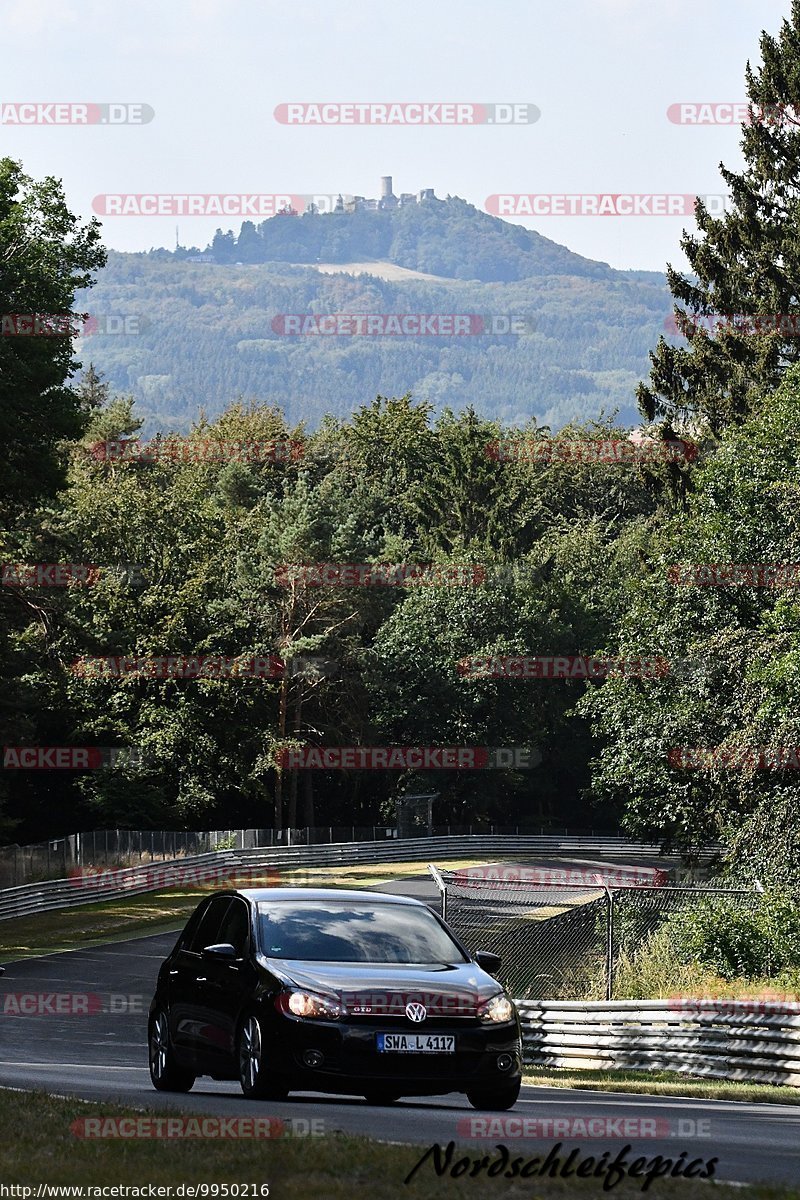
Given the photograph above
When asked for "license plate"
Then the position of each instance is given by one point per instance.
(417, 1043)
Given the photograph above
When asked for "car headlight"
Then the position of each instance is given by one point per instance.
(496, 1010)
(310, 1005)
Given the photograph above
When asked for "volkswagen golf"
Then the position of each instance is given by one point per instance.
(348, 992)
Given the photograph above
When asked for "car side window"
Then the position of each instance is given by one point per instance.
(235, 927)
(207, 931)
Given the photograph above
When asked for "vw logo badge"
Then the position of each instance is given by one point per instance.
(416, 1012)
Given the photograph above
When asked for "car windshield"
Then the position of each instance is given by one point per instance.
(331, 931)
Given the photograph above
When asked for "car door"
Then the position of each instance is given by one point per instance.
(187, 981)
(227, 985)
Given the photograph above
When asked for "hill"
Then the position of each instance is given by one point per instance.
(447, 238)
(203, 328)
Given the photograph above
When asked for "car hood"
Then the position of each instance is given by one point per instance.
(444, 989)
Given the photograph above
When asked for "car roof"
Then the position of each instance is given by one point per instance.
(341, 894)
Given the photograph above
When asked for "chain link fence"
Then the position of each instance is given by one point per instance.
(564, 941)
(58, 857)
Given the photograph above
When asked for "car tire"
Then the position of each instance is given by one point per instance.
(166, 1074)
(379, 1099)
(497, 1099)
(255, 1079)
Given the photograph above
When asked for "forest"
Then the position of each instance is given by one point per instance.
(265, 619)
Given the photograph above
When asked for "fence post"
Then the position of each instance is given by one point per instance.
(610, 946)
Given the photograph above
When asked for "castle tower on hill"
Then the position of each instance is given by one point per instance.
(385, 201)
(388, 198)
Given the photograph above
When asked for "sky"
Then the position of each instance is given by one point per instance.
(602, 73)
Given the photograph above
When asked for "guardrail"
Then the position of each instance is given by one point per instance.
(106, 885)
(456, 846)
(747, 1040)
(54, 858)
(86, 888)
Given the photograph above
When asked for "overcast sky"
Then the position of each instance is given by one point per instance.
(602, 72)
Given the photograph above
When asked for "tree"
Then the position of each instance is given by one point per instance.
(745, 264)
(735, 652)
(92, 390)
(45, 256)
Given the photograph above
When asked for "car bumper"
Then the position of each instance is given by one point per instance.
(350, 1062)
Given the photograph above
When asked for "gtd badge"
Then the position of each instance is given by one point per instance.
(416, 1012)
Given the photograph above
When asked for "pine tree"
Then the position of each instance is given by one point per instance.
(745, 263)
(92, 389)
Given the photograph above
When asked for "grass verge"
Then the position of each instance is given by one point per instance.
(39, 1147)
(663, 1083)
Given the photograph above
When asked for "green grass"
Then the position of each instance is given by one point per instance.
(662, 1083)
(38, 1146)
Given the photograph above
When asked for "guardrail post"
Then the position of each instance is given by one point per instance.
(610, 945)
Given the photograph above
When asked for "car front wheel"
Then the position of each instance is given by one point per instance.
(165, 1072)
(498, 1099)
(255, 1078)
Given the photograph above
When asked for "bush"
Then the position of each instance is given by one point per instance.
(657, 971)
(736, 940)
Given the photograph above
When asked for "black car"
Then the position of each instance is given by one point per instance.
(359, 993)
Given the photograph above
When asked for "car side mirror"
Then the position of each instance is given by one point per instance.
(488, 961)
(221, 951)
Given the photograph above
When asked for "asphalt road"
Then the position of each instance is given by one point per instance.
(98, 1052)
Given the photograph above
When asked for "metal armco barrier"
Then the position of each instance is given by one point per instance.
(747, 1040)
(60, 893)
(88, 888)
